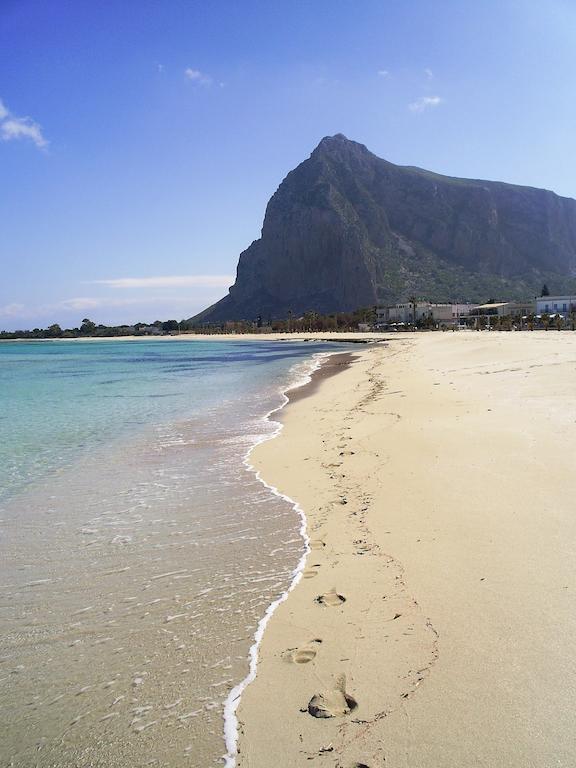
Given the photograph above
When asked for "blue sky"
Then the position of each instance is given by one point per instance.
(140, 141)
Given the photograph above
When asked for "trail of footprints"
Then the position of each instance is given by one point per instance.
(336, 701)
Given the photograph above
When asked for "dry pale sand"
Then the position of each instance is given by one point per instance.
(436, 620)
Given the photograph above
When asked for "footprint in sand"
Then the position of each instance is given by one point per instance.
(331, 599)
(362, 547)
(334, 702)
(302, 655)
(317, 544)
(309, 573)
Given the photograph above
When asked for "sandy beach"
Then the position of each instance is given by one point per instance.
(337, 336)
(433, 625)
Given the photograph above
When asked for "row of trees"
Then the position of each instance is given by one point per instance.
(308, 322)
(90, 329)
(530, 323)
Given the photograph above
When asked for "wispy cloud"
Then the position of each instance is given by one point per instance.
(200, 78)
(12, 310)
(383, 73)
(80, 303)
(13, 128)
(425, 102)
(94, 302)
(171, 281)
(429, 74)
(86, 304)
(209, 287)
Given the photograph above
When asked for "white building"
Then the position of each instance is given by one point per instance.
(408, 313)
(556, 305)
(503, 309)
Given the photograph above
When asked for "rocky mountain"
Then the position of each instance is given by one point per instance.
(347, 229)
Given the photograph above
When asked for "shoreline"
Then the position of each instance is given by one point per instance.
(324, 365)
(392, 646)
(332, 364)
(346, 337)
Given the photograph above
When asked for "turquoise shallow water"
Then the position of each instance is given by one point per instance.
(58, 399)
(137, 551)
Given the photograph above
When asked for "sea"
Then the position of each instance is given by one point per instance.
(139, 551)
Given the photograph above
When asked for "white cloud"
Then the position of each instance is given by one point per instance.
(86, 303)
(12, 310)
(108, 310)
(198, 77)
(79, 303)
(383, 73)
(425, 102)
(13, 128)
(429, 74)
(22, 128)
(173, 281)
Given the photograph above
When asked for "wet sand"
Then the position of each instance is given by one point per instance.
(434, 621)
(330, 367)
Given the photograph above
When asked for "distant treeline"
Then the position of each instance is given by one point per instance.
(309, 321)
(90, 329)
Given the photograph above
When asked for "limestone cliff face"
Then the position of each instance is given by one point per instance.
(347, 229)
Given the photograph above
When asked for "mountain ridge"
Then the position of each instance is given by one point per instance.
(346, 229)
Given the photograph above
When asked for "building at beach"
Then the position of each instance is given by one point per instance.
(556, 305)
(408, 313)
(503, 309)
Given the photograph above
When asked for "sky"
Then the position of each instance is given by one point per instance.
(140, 141)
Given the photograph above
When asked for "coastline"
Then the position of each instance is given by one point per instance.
(323, 365)
(412, 622)
(331, 365)
(355, 337)
(128, 516)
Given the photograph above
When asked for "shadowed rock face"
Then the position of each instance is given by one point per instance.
(347, 229)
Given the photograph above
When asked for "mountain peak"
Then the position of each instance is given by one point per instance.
(347, 229)
(340, 147)
(338, 140)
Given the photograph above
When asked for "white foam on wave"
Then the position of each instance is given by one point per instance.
(301, 375)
